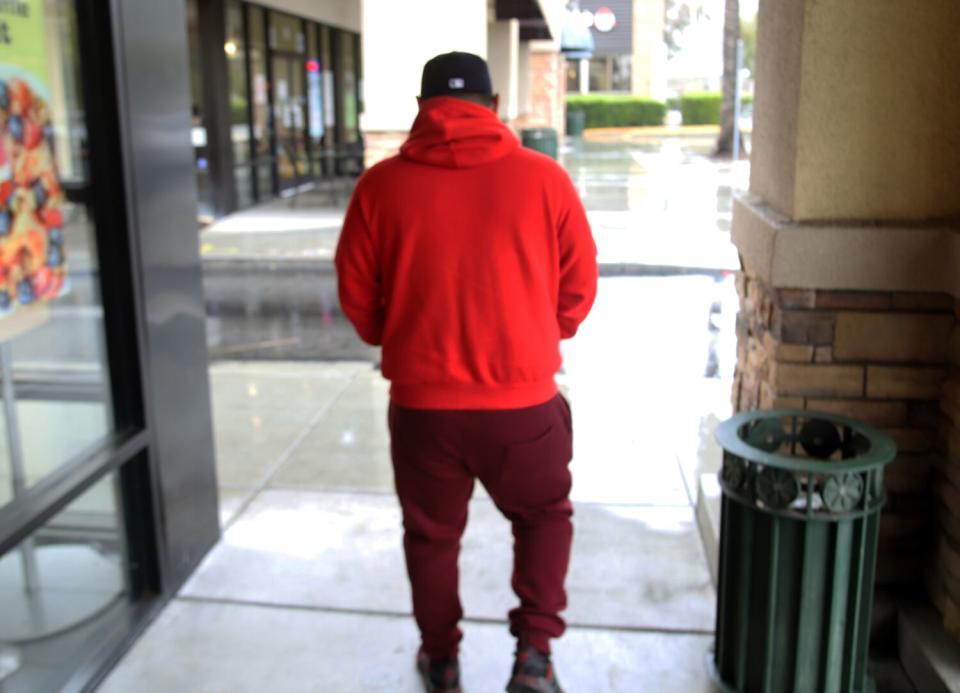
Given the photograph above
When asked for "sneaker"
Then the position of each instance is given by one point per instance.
(441, 676)
(533, 673)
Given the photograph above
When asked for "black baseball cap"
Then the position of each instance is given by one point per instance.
(455, 73)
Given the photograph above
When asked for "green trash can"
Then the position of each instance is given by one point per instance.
(802, 495)
(576, 123)
(540, 139)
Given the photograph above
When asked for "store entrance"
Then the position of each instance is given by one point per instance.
(289, 119)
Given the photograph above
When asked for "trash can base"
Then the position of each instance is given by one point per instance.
(720, 686)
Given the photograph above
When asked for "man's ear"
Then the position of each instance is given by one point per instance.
(419, 101)
(495, 103)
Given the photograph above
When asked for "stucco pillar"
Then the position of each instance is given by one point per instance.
(547, 75)
(523, 79)
(851, 252)
(503, 56)
(649, 50)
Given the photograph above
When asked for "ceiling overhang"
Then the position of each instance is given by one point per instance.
(539, 19)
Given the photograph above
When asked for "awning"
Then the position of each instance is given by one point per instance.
(539, 19)
(577, 41)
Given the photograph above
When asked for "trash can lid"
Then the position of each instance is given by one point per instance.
(759, 435)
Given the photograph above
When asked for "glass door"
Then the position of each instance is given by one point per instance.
(72, 430)
(347, 76)
(289, 106)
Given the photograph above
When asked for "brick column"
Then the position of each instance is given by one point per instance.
(547, 88)
(850, 247)
(503, 56)
(880, 357)
(944, 576)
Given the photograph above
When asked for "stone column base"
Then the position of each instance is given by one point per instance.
(864, 322)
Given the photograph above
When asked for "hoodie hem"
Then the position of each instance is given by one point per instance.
(473, 397)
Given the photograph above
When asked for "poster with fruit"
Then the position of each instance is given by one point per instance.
(32, 259)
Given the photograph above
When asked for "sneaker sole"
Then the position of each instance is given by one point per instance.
(428, 686)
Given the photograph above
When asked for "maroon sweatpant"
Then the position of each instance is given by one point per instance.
(521, 456)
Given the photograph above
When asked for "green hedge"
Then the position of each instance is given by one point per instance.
(703, 108)
(613, 110)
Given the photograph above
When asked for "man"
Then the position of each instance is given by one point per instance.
(469, 258)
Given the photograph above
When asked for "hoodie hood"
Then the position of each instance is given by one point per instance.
(454, 133)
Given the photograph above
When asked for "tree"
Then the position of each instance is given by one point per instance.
(677, 17)
(731, 35)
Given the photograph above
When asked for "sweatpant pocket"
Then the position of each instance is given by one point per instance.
(536, 473)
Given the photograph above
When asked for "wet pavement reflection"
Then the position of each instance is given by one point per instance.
(658, 206)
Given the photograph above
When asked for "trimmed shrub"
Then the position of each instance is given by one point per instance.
(616, 111)
(701, 108)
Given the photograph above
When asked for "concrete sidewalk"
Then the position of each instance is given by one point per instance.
(661, 205)
(307, 240)
(307, 589)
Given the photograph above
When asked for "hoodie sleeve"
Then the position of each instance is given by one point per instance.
(578, 263)
(358, 275)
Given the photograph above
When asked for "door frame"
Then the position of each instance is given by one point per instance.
(142, 195)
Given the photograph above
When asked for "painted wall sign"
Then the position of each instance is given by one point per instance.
(33, 265)
(604, 19)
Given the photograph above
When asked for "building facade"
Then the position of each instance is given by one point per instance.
(629, 56)
(279, 99)
(519, 38)
(276, 98)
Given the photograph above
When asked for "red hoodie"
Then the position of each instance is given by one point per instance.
(468, 258)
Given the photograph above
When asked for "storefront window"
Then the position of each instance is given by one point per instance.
(235, 49)
(198, 133)
(611, 73)
(294, 93)
(329, 99)
(573, 76)
(286, 33)
(315, 125)
(621, 73)
(53, 362)
(599, 79)
(347, 65)
(261, 103)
